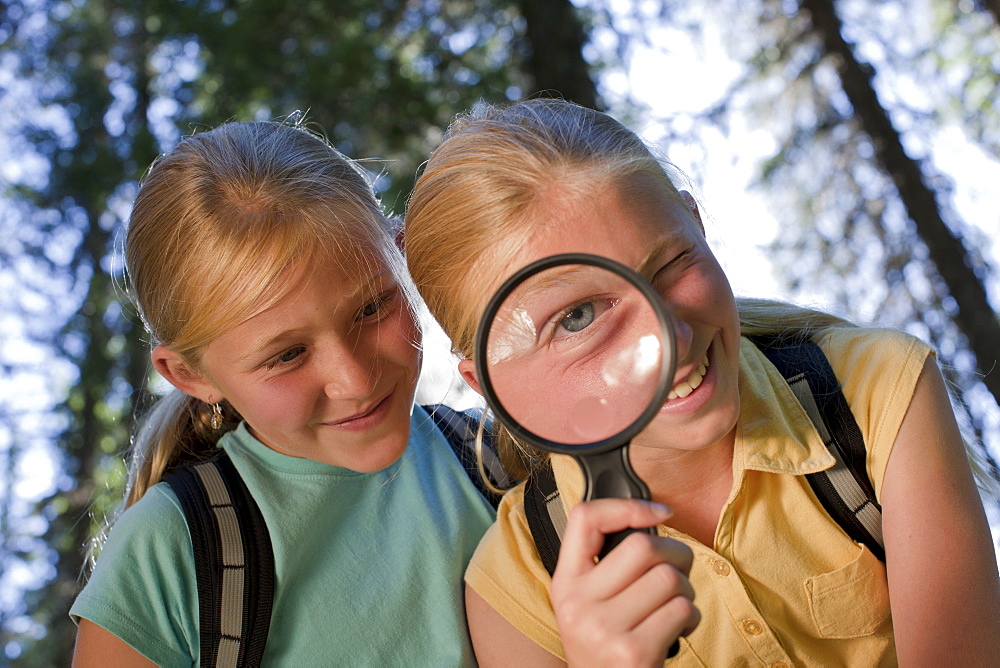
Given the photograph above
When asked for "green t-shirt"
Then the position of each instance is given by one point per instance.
(368, 566)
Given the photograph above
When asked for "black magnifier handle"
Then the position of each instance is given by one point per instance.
(610, 475)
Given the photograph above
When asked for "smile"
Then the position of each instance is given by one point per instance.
(366, 419)
(686, 387)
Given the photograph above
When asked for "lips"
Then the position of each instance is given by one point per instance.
(691, 383)
(365, 419)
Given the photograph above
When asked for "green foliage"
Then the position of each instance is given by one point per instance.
(106, 86)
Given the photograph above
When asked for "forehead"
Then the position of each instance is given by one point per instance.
(624, 221)
(344, 271)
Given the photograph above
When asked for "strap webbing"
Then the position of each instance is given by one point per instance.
(545, 514)
(234, 564)
(460, 429)
(845, 490)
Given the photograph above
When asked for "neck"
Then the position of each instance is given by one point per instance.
(694, 483)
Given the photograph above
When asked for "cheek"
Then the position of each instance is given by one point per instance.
(280, 401)
(399, 342)
(705, 296)
(716, 293)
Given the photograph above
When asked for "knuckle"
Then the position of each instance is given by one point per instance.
(686, 555)
(667, 576)
(582, 513)
(685, 609)
(640, 545)
(626, 652)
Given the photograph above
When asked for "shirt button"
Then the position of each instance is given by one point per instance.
(720, 567)
(753, 627)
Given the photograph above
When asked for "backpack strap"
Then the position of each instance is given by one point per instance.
(460, 429)
(845, 490)
(546, 516)
(234, 564)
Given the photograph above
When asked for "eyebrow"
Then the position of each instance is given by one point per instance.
(257, 348)
(649, 261)
(558, 275)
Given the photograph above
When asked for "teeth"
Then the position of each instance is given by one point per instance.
(686, 387)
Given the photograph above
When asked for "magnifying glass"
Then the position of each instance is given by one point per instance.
(575, 355)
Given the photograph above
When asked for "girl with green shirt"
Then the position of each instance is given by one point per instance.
(279, 310)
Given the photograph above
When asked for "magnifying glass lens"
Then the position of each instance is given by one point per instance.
(575, 354)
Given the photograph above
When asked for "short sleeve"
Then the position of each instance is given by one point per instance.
(878, 370)
(507, 572)
(143, 588)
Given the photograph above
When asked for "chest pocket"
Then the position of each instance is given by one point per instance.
(852, 601)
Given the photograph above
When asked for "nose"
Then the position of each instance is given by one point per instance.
(348, 372)
(683, 336)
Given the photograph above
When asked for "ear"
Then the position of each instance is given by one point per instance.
(468, 370)
(182, 376)
(692, 206)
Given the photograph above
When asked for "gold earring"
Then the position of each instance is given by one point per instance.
(216, 416)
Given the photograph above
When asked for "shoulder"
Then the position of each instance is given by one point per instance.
(440, 428)
(507, 573)
(877, 366)
(152, 535)
(143, 588)
(156, 519)
(878, 370)
(853, 348)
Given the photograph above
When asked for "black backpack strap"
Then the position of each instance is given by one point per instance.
(845, 490)
(234, 563)
(545, 514)
(460, 429)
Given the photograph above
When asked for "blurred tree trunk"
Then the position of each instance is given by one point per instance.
(975, 316)
(128, 77)
(102, 344)
(556, 37)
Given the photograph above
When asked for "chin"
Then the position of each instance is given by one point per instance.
(694, 435)
(379, 454)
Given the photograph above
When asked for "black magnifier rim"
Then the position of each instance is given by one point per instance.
(666, 369)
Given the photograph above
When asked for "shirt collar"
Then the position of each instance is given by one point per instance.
(774, 433)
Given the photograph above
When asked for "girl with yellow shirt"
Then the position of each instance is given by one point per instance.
(746, 546)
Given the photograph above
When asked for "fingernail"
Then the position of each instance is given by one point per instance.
(661, 509)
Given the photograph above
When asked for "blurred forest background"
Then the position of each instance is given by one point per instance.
(870, 129)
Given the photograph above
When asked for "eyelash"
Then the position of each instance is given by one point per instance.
(278, 361)
(601, 304)
(378, 303)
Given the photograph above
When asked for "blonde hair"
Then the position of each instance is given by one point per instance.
(216, 225)
(471, 200)
(467, 215)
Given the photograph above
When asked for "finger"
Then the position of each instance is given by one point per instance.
(588, 523)
(630, 561)
(660, 629)
(648, 593)
(641, 551)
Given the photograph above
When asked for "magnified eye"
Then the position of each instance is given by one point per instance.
(579, 318)
(574, 319)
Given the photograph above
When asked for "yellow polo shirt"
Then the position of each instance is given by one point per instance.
(783, 584)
